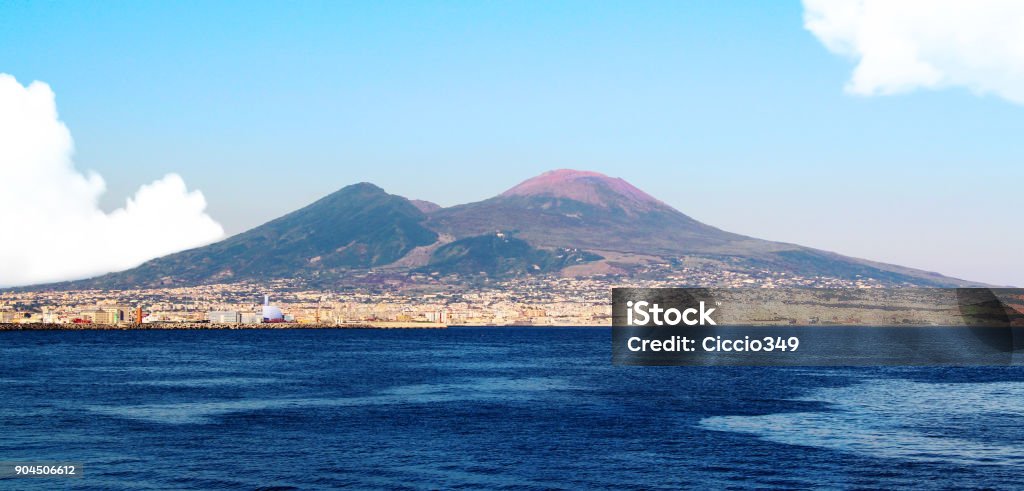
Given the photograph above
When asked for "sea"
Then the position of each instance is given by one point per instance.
(483, 408)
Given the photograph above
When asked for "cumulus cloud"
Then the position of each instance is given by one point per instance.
(51, 226)
(903, 45)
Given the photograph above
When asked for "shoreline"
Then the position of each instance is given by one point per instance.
(194, 326)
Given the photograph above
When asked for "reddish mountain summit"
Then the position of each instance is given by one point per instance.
(588, 187)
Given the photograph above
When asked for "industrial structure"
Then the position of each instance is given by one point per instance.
(271, 313)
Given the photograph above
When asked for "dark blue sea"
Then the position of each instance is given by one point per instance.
(512, 408)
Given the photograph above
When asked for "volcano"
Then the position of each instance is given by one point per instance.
(582, 209)
(552, 223)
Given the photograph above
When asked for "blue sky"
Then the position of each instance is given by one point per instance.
(733, 113)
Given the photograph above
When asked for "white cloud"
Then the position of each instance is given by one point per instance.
(902, 45)
(51, 227)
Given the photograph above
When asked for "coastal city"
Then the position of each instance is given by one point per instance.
(381, 299)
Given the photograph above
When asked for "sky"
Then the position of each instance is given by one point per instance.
(882, 130)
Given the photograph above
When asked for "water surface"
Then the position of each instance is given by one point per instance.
(484, 408)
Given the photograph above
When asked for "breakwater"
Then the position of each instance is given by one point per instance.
(212, 326)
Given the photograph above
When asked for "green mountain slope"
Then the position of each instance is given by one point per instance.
(497, 254)
(359, 226)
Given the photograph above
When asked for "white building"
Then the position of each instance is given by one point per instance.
(223, 317)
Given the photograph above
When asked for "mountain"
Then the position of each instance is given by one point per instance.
(565, 221)
(359, 226)
(567, 208)
(610, 217)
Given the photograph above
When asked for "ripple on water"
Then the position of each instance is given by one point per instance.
(475, 389)
(204, 382)
(902, 419)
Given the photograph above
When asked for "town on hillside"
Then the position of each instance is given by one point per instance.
(383, 299)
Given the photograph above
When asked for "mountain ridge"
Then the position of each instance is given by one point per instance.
(549, 223)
